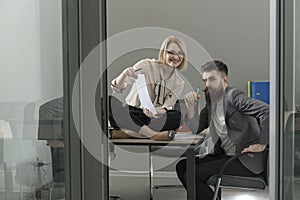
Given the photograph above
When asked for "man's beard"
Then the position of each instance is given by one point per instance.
(214, 94)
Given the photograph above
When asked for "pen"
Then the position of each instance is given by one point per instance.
(197, 92)
(138, 69)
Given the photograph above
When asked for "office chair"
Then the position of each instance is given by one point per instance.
(292, 136)
(58, 169)
(291, 152)
(221, 180)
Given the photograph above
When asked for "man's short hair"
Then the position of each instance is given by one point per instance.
(215, 65)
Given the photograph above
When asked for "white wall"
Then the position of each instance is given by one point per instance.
(20, 52)
(235, 31)
(31, 56)
(31, 53)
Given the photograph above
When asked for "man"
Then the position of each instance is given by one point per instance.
(236, 124)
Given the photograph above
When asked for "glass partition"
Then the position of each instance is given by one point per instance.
(290, 136)
(31, 104)
(297, 102)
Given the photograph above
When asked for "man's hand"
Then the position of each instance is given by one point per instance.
(190, 99)
(255, 148)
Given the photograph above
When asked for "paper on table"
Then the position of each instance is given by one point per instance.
(187, 136)
(143, 93)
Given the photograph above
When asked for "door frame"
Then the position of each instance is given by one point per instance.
(84, 27)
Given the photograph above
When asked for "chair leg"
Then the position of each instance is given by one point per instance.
(21, 192)
(167, 186)
(33, 193)
(115, 197)
(217, 188)
(50, 191)
(151, 173)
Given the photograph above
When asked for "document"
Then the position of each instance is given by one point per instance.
(187, 136)
(143, 94)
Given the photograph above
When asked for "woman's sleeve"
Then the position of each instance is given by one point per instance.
(129, 80)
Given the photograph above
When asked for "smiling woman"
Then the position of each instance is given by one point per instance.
(164, 86)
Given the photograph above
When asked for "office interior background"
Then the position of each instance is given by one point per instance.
(43, 46)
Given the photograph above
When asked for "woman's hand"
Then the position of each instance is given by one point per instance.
(119, 82)
(130, 72)
(159, 112)
(190, 99)
(147, 112)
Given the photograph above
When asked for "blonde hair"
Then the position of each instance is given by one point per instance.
(163, 50)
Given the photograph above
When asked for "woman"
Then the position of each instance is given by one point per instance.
(164, 87)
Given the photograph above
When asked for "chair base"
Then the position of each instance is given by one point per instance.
(167, 186)
(255, 183)
(115, 197)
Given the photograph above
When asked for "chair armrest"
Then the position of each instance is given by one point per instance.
(228, 162)
(221, 172)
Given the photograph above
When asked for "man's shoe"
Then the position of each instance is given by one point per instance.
(172, 134)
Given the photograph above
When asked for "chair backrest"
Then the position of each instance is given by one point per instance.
(292, 136)
(29, 123)
(51, 120)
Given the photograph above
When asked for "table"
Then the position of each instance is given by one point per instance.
(190, 156)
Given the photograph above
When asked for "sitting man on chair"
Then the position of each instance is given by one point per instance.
(236, 124)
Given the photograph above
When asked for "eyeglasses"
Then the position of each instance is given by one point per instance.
(174, 53)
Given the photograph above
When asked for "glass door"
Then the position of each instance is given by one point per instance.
(31, 102)
(289, 101)
(45, 113)
(85, 87)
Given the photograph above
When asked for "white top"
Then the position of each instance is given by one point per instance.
(221, 129)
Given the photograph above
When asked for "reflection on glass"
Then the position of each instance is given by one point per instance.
(297, 103)
(291, 134)
(31, 158)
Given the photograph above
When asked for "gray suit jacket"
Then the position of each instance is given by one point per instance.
(247, 122)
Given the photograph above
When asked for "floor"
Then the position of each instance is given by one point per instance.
(137, 189)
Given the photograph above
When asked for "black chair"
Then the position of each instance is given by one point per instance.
(222, 180)
(58, 170)
(51, 129)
